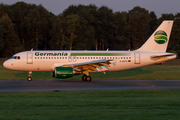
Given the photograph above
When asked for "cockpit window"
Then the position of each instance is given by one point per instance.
(15, 57)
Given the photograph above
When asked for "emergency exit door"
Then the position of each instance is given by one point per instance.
(29, 58)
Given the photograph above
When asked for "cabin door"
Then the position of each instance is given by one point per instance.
(136, 58)
(29, 58)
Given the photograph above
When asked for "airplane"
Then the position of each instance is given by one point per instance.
(66, 64)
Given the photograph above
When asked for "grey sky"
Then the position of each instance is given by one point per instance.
(58, 6)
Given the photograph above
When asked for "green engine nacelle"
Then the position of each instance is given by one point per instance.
(62, 72)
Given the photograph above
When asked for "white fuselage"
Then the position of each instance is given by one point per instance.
(48, 60)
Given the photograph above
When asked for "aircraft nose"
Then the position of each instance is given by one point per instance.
(6, 64)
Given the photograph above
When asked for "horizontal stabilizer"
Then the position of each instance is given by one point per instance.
(160, 56)
(163, 57)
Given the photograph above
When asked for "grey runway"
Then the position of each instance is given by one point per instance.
(77, 85)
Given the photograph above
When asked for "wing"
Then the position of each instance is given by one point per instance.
(92, 66)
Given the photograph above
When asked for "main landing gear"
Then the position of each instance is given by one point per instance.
(29, 76)
(86, 78)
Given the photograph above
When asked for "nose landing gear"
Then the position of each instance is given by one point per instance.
(29, 76)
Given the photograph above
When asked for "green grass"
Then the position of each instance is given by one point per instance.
(91, 105)
(145, 73)
(94, 105)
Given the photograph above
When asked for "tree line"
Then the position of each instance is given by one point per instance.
(25, 26)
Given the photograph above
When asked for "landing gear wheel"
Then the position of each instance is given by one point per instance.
(84, 77)
(29, 78)
(88, 78)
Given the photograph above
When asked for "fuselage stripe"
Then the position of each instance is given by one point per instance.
(100, 54)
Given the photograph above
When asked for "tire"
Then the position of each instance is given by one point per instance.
(88, 78)
(29, 79)
(84, 77)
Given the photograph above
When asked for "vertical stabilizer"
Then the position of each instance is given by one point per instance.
(158, 41)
